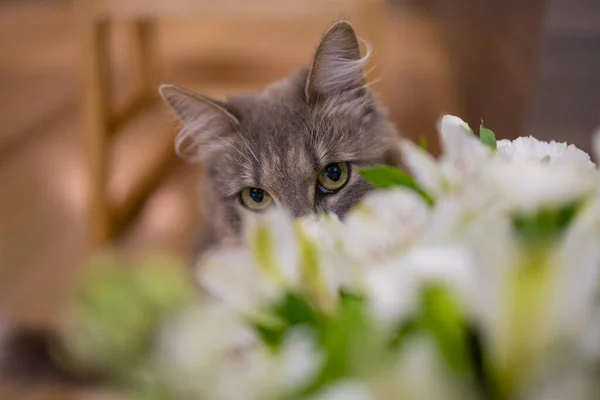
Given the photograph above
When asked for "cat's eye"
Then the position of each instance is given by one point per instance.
(255, 199)
(333, 177)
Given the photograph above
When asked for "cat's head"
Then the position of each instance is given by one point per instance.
(296, 144)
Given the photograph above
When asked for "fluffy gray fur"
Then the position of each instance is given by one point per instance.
(278, 140)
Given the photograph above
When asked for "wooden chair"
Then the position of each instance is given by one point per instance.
(100, 121)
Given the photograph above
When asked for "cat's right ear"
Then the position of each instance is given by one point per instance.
(338, 68)
(207, 123)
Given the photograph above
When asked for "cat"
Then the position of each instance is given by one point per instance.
(295, 145)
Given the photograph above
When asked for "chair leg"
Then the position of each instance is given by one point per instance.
(95, 71)
(145, 72)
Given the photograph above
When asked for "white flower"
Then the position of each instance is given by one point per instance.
(255, 274)
(201, 346)
(459, 145)
(262, 374)
(279, 254)
(454, 216)
(529, 175)
(209, 353)
(533, 297)
(229, 275)
(393, 286)
(423, 166)
(451, 127)
(525, 297)
(529, 187)
(297, 363)
(323, 264)
(384, 223)
(391, 292)
(346, 390)
(421, 374)
(577, 260)
(530, 149)
(272, 240)
(462, 156)
(590, 342)
(320, 228)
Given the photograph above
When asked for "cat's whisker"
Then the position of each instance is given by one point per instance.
(370, 71)
(368, 84)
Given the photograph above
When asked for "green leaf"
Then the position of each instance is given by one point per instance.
(346, 295)
(352, 346)
(404, 330)
(545, 224)
(487, 136)
(443, 319)
(423, 142)
(479, 364)
(440, 318)
(293, 310)
(272, 336)
(385, 177)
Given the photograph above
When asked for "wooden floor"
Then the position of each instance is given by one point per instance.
(42, 176)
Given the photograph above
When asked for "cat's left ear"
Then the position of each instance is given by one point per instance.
(338, 68)
(207, 123)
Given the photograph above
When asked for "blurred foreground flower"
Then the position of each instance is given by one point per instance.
(476, 277)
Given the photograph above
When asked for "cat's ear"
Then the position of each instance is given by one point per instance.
(207, 123)
(338, 67)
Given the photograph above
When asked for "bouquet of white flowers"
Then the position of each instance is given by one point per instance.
(474, 277)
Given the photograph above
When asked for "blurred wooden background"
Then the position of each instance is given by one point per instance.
(524, 67)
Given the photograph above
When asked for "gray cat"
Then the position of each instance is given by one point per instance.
(296, 145)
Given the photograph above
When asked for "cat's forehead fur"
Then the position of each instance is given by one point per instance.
(280, 136)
